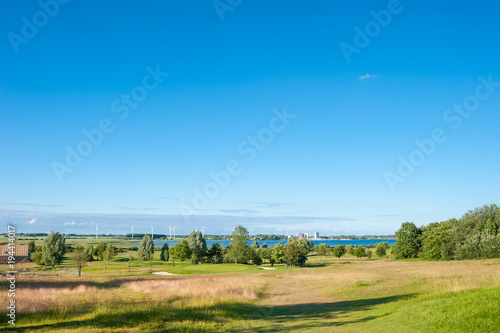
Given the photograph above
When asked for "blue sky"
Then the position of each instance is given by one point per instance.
(324, 168)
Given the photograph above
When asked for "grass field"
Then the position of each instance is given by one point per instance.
(330, 296)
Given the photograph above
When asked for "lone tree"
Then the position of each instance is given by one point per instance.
(80, 257)
(255, 244)
(164, 254)
(239, 250)
(146, 249)
(198, 247)
(408, 244)
(100, 250)
(31, 246)
(339, 251)
(54, 248)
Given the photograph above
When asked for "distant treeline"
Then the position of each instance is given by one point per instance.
(473, 236)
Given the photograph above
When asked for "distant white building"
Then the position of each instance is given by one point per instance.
(316, 235)
(306, 235)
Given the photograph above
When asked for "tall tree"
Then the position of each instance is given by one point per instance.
(182, 250)
(164, 254)
(80, 257)
(54, 248)
(278, 252)
(239, 249)
(408, 244)
(294, 252)
(255, 244)
(198, 247)
(146, 249)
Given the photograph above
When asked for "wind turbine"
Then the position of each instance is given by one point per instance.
(170, 228)
(132, 231)
(96, 229)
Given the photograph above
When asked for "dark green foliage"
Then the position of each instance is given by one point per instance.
(255, 244)
(198, 247)
(409, 241)
(339, 251)
(53, 249)
(360, 251)
(146, 249)
(381, 249)
(215, 253)
(182, 251)
(295, 251)
(239, 251)
(264, 245)
(164, 252)
(255, 257)
(31, 246)
(37, 257)
(100, 250)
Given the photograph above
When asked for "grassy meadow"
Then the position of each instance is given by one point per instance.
(346, 295)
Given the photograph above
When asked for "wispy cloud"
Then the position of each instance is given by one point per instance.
(32, 221)
(239, 211)
(27, 204)
(271, 204)
(70, 223)
(138, 208)
(367, 76)
(169, 198)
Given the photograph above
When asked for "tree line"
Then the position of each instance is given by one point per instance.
(474, 236)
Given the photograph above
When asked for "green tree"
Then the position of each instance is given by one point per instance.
(491, 227)
(350, 249)
(37, 257)
(239, 251)
(198, 247)
(264, 245)
(360, 251)
(433, 237)
(54, 248)
(381, 250)
(110, 253)
(255, 244)
(369, 254)
(100, 250)
(278, 252)
(408, 244)
(31, 246)
(255, 256)
(294, 252)
(164, 252)
(130, 259)
(215, 253)
(80, 257)
(324, 250)
(339, 250)
(146, 249)
(182, 250)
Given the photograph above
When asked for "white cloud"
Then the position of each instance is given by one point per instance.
(69, 223)
(32, 221)
(367, 76)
